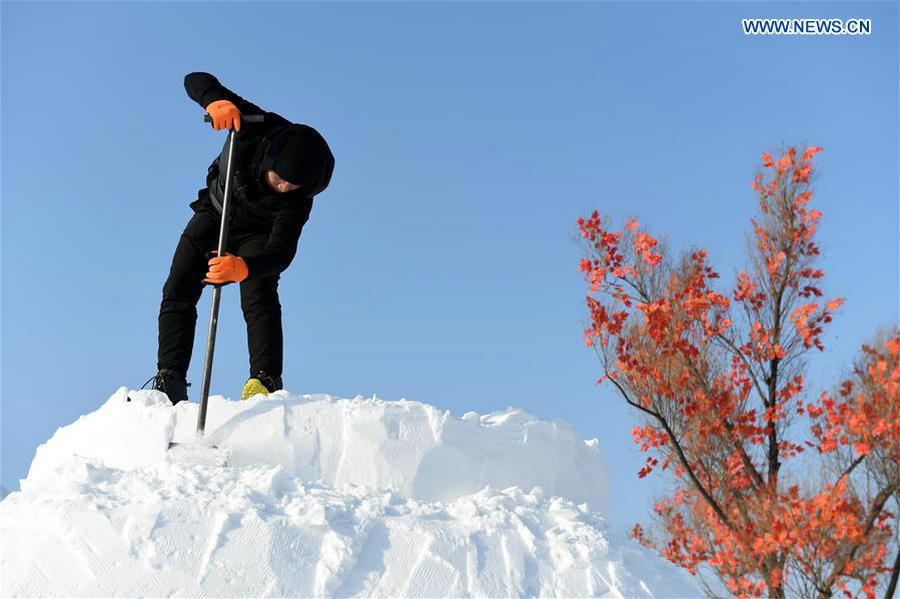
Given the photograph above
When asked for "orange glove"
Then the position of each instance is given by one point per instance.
(224, 115)
(226, 269)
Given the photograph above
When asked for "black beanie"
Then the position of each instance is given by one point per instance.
(296, 155)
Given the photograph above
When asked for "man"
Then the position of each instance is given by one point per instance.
(277, 169)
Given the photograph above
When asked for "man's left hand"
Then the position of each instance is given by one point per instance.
(226, 269)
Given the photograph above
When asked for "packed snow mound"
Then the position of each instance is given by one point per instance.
(319, 497)
(409, 446)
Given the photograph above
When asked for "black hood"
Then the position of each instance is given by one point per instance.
(299, 155)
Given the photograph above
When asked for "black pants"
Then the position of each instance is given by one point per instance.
(183, 287)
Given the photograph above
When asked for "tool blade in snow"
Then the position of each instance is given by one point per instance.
(198, 453)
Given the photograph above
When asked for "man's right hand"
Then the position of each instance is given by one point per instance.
(224, 115)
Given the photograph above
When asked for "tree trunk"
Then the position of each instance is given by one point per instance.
(892, 586)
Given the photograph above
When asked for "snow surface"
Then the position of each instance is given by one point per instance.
(320, 496)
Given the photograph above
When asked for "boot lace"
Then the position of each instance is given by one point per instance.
(159, 381)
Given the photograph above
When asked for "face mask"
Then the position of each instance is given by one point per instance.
(289, 152)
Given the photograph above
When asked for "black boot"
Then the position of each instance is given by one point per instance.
(173, 384)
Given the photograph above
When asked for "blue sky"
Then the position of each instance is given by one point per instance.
(441, 263)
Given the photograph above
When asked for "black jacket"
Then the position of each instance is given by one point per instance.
(254, 205)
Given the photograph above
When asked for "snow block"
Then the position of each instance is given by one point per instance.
(321, 496)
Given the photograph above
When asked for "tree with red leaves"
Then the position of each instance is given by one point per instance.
(720, 383)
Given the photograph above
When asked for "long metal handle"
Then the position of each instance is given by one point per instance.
(217, 290)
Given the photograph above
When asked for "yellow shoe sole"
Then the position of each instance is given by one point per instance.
(253, 387)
